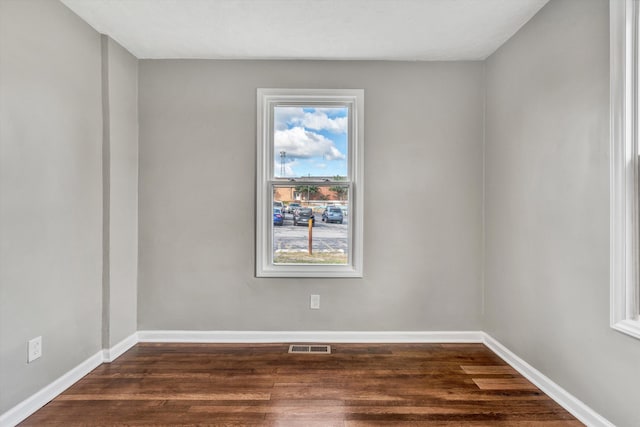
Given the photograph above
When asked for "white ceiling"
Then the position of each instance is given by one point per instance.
(309, 29)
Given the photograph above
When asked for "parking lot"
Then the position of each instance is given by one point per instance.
(330, 241)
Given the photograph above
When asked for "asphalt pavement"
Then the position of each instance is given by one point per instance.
(326, 237)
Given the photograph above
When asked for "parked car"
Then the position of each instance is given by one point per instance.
(343, 208)
(292, 207)
(332, 214)
(278, 218)
(303, 216)
(279, 205)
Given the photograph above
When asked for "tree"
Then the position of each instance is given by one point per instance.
(308, 190)
(340, 190)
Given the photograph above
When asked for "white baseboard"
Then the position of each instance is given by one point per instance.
(311, 336)
(565, 399)
(576, 407)
(30, 405)
(111, 354)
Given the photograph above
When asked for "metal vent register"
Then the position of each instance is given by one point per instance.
(310, 349)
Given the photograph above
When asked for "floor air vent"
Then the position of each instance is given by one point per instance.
(310, 349)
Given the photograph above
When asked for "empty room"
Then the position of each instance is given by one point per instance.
(319, 212)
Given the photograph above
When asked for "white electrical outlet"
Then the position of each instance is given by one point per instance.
(315, 302)
(34, 349)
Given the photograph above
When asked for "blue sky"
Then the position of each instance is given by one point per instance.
(314, 140)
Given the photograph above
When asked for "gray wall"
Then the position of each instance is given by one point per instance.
(423, 199)
(121, 147)
(50, 194)
(547, 207)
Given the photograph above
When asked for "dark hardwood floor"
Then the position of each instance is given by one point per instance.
(261, 384)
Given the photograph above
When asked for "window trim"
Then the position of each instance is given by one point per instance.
(266, 100)
(624, 228)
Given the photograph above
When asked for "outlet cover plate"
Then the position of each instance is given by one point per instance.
(315, 302)
(34, 349)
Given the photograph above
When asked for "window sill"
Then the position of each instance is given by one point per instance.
(301, 271)
(629, 327)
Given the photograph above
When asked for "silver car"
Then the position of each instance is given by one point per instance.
(332, 214)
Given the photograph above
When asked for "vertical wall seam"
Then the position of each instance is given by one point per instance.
(483, 251)
(138, 194)
(106, 196)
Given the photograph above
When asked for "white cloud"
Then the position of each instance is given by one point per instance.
(286, 115)
(300, 143)
(320, 121)
(332, 110)
(317, 120)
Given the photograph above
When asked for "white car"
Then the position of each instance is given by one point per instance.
(293, 207)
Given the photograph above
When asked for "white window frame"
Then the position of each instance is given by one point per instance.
(624, 228)
(267, 100)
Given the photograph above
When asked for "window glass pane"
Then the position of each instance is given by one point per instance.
(330, 230)
(310, 141)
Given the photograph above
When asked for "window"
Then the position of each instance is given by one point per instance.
(625, 231)
(310, 161)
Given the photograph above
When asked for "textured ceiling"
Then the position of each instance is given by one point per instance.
(309, 29)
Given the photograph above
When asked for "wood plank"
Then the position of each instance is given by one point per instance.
(165, 396)
(504, 384)
(489, 370)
